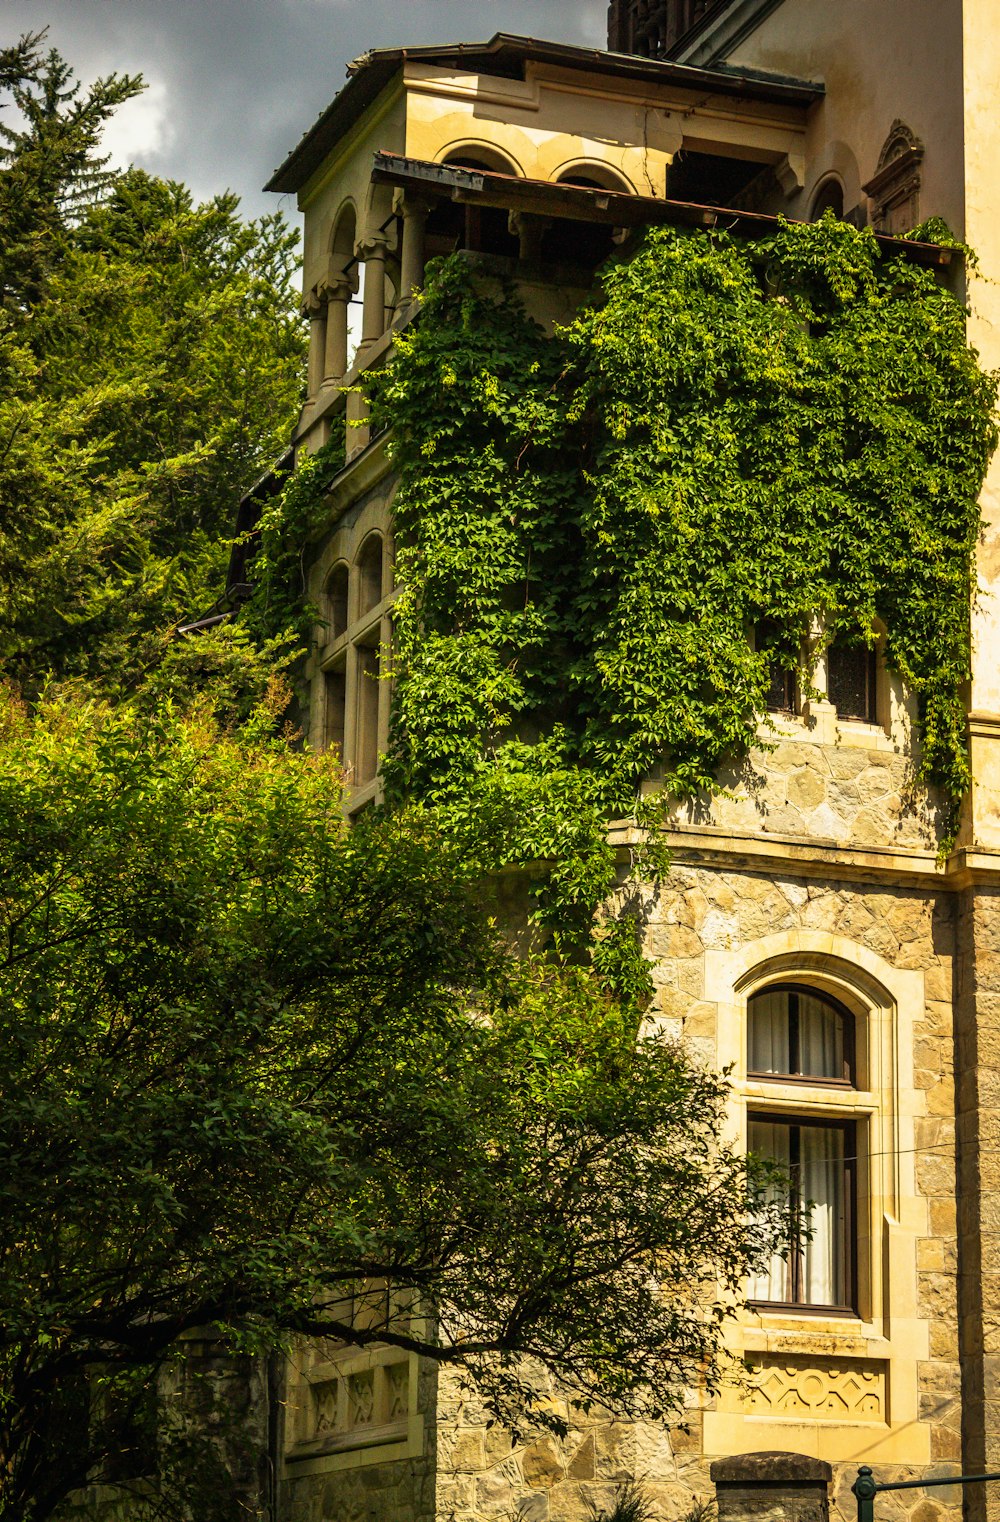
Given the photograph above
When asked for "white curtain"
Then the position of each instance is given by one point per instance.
(773, 1141)
(768, 1044)
(812, 1271)
(820, 1035)
(821, 1039)
(821, 1173)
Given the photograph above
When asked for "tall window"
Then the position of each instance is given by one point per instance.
(798, 1036)
(356, 702)
(817, 1157)
(782, 694)
(851, 681)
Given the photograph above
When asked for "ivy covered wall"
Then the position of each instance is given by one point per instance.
(590, 525)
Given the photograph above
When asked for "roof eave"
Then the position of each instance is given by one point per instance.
(372, 72)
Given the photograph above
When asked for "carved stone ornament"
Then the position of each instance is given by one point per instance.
(846, 1390)
(894, 188)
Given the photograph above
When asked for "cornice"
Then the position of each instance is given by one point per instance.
(799, 856)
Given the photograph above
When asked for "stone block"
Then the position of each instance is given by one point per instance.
(570, 1502)
(772, 1487)
(541, 1465)
(806, 788)
(462, 1450)
(581, 1465)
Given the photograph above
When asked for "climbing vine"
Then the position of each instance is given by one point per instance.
(590, 526)
(289, 521)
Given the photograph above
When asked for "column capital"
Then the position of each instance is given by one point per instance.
(313, 304)
(336, 288)
(373, 246)
(410, 203)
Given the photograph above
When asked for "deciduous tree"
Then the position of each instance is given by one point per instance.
(252, 1065)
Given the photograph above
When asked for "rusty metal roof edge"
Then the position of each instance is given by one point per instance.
(394, 167)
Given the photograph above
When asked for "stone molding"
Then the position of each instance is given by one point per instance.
(894, 189)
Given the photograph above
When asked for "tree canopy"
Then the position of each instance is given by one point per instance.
(252, 1064)
(150, 368)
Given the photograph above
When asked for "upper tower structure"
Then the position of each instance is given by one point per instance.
(651, 28)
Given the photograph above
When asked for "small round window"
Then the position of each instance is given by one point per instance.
(799, 1033)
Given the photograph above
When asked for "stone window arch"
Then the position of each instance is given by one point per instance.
(828, 196)
(834, 1127)
(484, 156)
(800, 1038)
(595, 176)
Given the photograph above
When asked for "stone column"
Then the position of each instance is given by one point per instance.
(529, 231)
(772, 1487)
(414, 212)
(373, 252)
(315, 309)
(338, 295)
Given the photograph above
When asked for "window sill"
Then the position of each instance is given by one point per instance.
(860, 735)
(790, 1097)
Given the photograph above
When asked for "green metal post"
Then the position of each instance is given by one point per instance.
(866, 1490)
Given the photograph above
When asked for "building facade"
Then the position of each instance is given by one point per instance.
(808, 935)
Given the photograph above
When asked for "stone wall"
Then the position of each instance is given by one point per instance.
(978, 1026)
(484, 1475)
(862, 793)
(700, 916)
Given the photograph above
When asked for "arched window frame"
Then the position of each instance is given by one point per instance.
(602, 176)
(795, 1075)
(884, 1001)
(888, 1002)
(829, 190)
(791, 1117)
(350, 709)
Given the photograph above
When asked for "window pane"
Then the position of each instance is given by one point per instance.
(850, 681)
(821, 1183)
(792, 1031)
(366, 742)
(821, 1038)
(370, 571)
(337, 592)
(769, 1139)
(781, 681)
(769, 1027)
(814, 1270)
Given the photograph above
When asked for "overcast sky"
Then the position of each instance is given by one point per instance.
(233, 84)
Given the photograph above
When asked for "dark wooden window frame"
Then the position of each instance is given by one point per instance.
(870, 716)
(781, 676)
(794, 990)
(849, 1130)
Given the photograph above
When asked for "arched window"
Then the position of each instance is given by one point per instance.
(796, 1036)
(796, 1032)
(481, 156)
(595, 177)
(829, 197)
(483, 229)
(370, 575)
(336, 596)
(355, 711)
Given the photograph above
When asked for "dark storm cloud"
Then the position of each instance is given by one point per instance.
(233, 84)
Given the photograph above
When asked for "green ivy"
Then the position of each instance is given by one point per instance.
(289, 522)
(590, 525)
